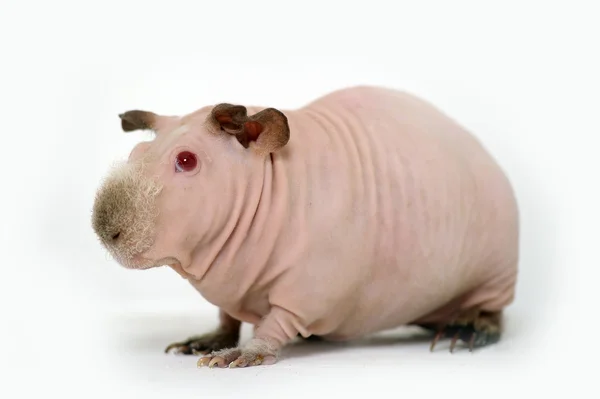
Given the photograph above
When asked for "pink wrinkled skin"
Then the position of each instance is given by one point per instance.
(379, 212)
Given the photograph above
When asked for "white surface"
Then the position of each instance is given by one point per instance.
(522, 75)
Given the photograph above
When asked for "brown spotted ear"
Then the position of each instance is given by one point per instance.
(267, 129)
(137, 120)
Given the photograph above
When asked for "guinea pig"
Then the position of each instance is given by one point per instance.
(364, 210)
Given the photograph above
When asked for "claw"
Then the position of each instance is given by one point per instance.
(436, 339)
(204, 361)
(239, 362)
(472, 342)
(258, 361)
(212, 363)
(217, 361)
(453, 342)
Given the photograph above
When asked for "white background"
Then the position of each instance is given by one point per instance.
(522, 75)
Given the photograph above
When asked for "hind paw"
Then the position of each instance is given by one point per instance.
(476, 329)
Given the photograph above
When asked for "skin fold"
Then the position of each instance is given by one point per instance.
(361, 211)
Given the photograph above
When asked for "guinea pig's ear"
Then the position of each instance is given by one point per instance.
(266, 131)
(137, 120)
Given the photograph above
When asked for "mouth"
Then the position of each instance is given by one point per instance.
(141, 261)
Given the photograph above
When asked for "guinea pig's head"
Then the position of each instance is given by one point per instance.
(153, 209)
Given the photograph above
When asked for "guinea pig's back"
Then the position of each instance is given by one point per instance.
(425, 212)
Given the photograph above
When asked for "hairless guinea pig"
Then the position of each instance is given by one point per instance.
(362, 211)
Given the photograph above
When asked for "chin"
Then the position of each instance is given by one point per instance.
(144, 266)
(136, 262)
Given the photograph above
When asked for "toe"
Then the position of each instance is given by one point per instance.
(204, 361)
(472, 342)
(175, 345)
(201, 351)
(179, 349)
(268, 360)
(435, 340)
(453, 342)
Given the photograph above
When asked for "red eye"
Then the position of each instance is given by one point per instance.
(185, 162)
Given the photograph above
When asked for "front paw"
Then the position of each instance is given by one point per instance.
(254, 353)
(211, 342)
